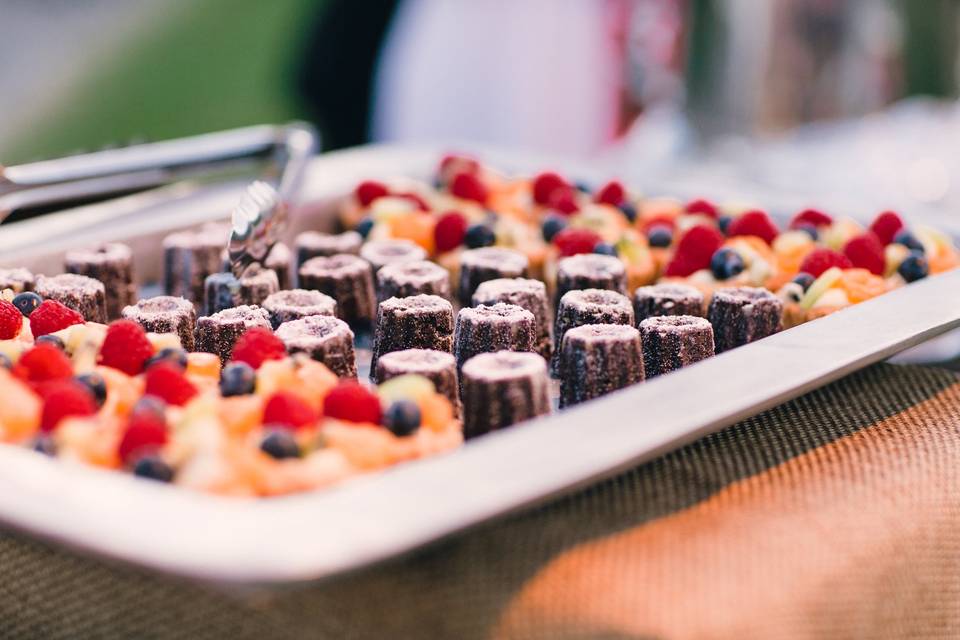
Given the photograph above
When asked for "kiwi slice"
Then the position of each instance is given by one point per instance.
(826, 280)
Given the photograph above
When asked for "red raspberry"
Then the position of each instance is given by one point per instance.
(125, 347)
(694, 250)
(704, 208)
(419, 202)
(11, 321)
(454, 163)
(611, 193)
(813, 217)
(468, 187)
(754, 223)
(52, 316)
(574, 240)
(288, 410)
(43, 363)
(258, 345)
(886, 225)
(146, 431)
(352, 402)
(166, 381)
(368, 191)
(866, 252)
(819, 260)
(449, 231)
(564, 201)
(64, 398)
(545, 184)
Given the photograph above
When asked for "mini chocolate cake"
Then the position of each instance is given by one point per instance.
(325, 339)
(743, 314)
(220, 291)
(218, 333)
(672, 342)
(346, 278)
(279, 260)
(257, 284)
(189, 257)
(667, 300)
(111, 264)
(412, 278)
(17, 278)
(284, 306)
(415, 322)
(165, 314)
(501, 389)
(590, 271)
(223, 290)
(588, 306)
(528, 294)
(488, 263)
(313, 244)
(439, 367)
(380, 253)
(596, 359)
(498, 327)
(82, 294)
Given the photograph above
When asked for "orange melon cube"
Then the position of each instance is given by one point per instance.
(20, 410)
(205, 365)
(436, 413)
(860, 285)
(417, 227)
(240, 415)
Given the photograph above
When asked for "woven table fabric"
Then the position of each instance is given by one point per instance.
(832, 516)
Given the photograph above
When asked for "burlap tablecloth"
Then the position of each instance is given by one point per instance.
(833, 516)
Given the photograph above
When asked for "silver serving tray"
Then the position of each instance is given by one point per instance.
(374, 517)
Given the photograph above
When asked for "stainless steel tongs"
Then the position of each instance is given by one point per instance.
(278, 154)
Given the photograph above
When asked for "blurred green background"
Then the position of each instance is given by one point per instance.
(204, 65)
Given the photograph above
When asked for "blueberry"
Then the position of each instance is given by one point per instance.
(910, 241)
(26, 302)
(583, 186)
(51, 339)
(552, 225)
(153, 468)
(726, 263)
(804, 279)
(173, 355)
(44, 444)
(629, 211)
(914, 267)
(605, 249)
(479, 235)
(402, 417)
(660, 235)
(810, 230)
(150, 404)
(280, 444)
(237, 379)
(95, 383)
(363, 227)
(724, 223)
(5, 362)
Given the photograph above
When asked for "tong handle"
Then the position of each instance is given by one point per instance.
(144, 166)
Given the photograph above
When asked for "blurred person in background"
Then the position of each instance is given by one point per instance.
(572, 76)
(566, 77)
